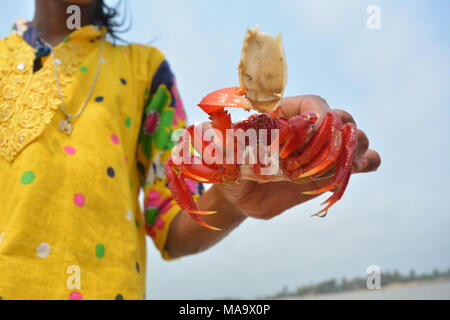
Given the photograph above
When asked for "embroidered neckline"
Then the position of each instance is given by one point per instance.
(29, 101)
(70, 52)
(26, 106)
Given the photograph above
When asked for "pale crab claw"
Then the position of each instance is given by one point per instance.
(262, 70)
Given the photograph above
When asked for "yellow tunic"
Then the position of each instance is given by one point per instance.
(71, 226)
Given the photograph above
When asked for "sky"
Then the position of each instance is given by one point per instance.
(394, 81)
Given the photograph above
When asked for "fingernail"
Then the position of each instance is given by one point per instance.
(361, 164)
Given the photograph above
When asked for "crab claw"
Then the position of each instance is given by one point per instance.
(225, 98)
(183, 196)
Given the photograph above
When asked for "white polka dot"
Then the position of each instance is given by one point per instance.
(129, 215)
(2, 235)
(43, 250)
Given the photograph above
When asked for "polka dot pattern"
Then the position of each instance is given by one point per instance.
(70, 150)
(75, 295)
(129, 215)
(100, 251)
(79, 200)
(88, 175)
(111, 172)
(43, 250)
(28, 177)
(115, 139)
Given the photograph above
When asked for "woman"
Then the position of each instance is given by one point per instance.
(84, 124)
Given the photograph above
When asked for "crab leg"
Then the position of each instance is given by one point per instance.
(345, 160)
(207, 172)
(200, 144)
(320, 158)
(314, 146)
(335, 197)
(221, 121)
(199, 171)
(344, 167)
(183, 196)
(300, 128)
(336, 142)
(197, 140)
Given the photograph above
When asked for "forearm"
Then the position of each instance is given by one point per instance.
(187, 237)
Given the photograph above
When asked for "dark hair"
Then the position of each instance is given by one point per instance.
(106, 16)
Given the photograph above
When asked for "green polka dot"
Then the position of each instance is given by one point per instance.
(137, 223)
(66, 39)
(28, 177)
(150, 215)
(84, 69)
(128, 122)
(100, 250)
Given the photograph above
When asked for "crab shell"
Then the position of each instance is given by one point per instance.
(262, 70)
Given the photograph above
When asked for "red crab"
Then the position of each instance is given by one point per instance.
(306, 151)
(302, 148)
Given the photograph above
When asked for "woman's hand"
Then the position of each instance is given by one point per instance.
(235, 202)
(265, 201)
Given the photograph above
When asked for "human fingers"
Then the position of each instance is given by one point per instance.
(369, 162)
(294, 106)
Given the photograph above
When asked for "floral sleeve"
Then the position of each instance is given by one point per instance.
(163, 114)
